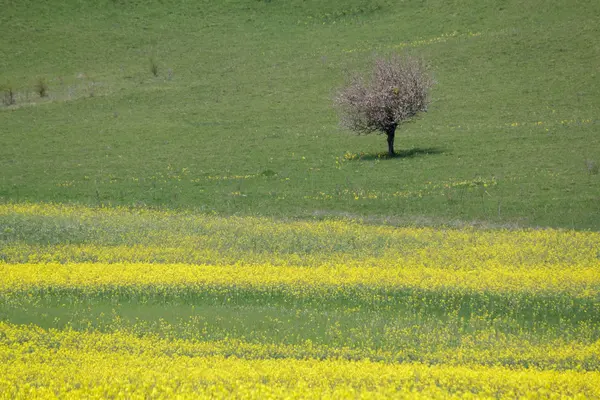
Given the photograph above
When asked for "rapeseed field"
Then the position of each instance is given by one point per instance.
(113, 302)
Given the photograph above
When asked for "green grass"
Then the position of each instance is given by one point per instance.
(395, 325)
(239, 118)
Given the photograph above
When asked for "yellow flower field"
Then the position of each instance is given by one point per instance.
(134, 303)
(578, 282)
(49, 363)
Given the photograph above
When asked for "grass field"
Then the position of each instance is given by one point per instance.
(180, 214)
(239, 120)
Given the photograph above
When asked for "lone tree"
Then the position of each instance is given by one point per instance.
(397, 91)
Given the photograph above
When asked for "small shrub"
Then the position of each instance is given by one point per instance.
(268, 173)
(8, 96)
(592, 167)
(41, 87)
(153, 67)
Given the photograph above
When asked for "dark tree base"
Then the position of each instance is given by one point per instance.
(391, 133)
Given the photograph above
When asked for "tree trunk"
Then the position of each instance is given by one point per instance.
(391, 132)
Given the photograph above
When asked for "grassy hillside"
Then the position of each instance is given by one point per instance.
(238, 119)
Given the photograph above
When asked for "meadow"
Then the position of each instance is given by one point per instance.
(181, 216)
(238, 119)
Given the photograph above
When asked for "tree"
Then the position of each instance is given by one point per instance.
(397, 91)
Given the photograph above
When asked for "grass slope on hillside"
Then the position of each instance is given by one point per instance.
(238, 118)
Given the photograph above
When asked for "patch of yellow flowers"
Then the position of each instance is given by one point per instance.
(140, 250)
(582, 282)
(47, 364)
(114, 235)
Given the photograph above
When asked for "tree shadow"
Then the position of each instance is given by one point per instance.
(408, 153)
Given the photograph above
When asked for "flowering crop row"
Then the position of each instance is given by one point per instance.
(45, 364)
(582, 282)
(42, 233)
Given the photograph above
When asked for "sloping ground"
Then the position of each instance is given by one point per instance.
(238, 117)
